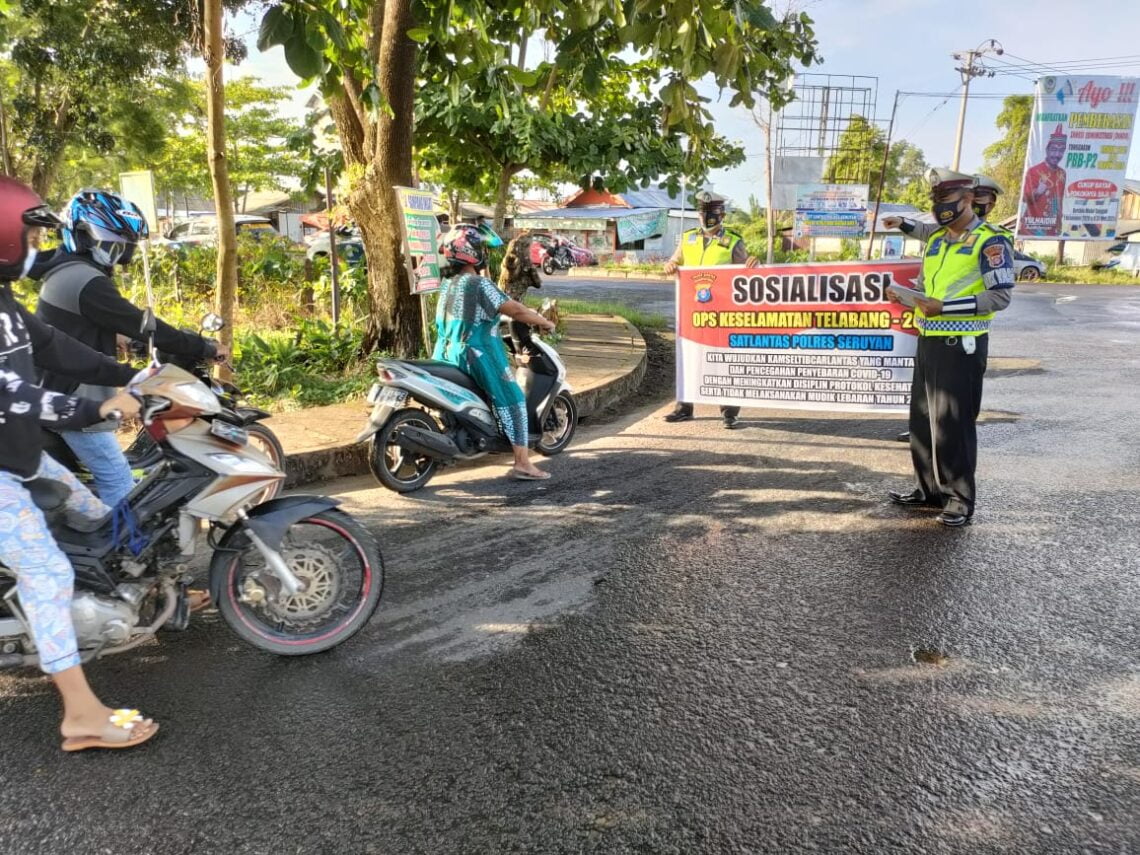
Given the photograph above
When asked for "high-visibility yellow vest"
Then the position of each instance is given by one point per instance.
(694, 253)
(952, 270)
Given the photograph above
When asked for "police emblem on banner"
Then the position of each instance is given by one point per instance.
(703, 283)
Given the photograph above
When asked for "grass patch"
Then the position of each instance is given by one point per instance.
(630, 267)
(1070, 275)
(641, 320)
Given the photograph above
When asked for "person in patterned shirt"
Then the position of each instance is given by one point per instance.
(467, 321)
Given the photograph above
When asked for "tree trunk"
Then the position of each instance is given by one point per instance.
(226, 283)
(394, 323)
(4, 151)
(503, 196)
(453, 202)
(771, 212)
(395, 319)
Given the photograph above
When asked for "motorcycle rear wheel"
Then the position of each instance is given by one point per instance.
(561, 422)
(398, 469)
(339, 560)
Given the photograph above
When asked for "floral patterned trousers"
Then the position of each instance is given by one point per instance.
(44, 576)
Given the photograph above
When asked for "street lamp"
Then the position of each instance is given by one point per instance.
(971, 68)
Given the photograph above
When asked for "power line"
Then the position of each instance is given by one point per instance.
(946, 99)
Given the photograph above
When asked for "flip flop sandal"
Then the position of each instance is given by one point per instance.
(199, 600)
(526, 476)
(125, 729)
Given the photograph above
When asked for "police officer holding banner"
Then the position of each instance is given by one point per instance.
(967, 277)
(710, 245)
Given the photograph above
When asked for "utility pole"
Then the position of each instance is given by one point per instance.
(882, 177)
(971, 68)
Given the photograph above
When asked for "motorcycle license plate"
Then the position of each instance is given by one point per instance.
(230, 433)
(390, 397)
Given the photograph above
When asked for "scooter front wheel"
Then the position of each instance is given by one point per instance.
(399, 469)
(559, 427)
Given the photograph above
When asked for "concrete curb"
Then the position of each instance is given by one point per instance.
(588, 273)
(339, 461)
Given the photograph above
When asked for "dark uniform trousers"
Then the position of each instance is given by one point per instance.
(946, 397)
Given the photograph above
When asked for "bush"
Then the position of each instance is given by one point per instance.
(313, 365)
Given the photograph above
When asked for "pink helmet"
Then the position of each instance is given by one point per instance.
(465, 244)
(21, 209)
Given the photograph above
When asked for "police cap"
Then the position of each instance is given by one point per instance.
(708, 199)
(945, 179)
(984, 182)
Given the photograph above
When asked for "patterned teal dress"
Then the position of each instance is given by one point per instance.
(466, 327)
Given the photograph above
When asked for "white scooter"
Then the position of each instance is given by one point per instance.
(427, 414)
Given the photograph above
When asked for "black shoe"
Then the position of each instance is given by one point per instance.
(904, 436)
(914, 499)
(730, 422)
(681, 414)
(953, 520)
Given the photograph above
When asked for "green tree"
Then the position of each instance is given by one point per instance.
(361, 53)
(1005, 159)
(77, 65)
(859, 158)
(520, 121)
(257, 136)
(906, 175)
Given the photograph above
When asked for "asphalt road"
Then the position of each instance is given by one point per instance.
(691, 641)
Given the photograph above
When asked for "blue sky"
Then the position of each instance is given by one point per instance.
(907, 44)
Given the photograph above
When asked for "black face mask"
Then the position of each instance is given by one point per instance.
(711, 219)
(946, 212)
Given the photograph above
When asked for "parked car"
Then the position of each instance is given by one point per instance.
(203, 231)
(1026, 268)
(349, 246)
(544, 247)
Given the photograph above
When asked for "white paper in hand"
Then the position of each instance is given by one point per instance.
(907, 296)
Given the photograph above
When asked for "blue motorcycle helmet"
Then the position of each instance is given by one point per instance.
(491, 238)
(103, 225)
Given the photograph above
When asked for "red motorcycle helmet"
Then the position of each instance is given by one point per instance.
(21, 210)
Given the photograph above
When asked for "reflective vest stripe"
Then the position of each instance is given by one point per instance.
(976, 326)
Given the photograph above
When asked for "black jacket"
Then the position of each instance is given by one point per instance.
(103, 315)
(26, 343)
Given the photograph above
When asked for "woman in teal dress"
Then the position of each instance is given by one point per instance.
(467, 336)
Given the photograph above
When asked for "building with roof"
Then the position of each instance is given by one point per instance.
(646, 224)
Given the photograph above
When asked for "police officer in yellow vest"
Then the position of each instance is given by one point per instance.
(967, 277)
(986, 191)
(711, 245)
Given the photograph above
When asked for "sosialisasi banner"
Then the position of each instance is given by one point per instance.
(1077, 156)
(796, 336)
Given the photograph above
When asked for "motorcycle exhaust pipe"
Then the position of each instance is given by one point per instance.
(426, 442)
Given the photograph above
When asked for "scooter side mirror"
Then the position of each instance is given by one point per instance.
(213, 323)
(149, 322)
(147, 328)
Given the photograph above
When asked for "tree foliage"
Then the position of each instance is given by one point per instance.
(361, 54)
(859, 160)
(1005, 159)
(73, 68)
